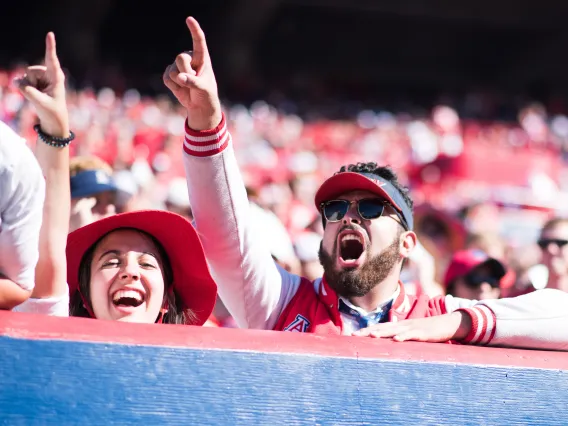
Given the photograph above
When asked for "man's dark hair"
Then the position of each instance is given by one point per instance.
(385, 172)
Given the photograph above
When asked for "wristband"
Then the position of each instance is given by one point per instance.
(52, 140)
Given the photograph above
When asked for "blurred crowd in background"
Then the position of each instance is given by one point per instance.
(478, 183)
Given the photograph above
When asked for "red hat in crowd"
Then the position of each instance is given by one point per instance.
(192, 281)
(343, 182)
(463, 262)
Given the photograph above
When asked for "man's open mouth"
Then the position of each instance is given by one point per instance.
(351, 246)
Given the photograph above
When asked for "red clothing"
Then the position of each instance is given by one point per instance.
(313, 312)
(258, 294)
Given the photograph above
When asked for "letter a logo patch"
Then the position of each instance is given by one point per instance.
(299, 325)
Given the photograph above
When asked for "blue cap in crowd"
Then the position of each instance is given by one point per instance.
(91, 182)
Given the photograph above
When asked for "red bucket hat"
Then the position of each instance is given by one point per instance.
(192, 280)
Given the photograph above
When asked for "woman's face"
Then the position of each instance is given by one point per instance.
(127, 280)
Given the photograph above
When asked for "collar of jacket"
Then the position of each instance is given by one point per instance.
(398, 311)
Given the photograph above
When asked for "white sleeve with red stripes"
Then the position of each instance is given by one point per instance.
(538, 320)
(252, 287)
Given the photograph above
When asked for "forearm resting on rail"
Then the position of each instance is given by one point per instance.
(11, 294)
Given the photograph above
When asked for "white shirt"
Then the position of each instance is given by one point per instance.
(22, 192)
(350, 323)
(57, 306)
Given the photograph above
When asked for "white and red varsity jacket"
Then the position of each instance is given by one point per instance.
(261, 295)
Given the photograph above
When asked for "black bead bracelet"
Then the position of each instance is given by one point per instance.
(52, 140)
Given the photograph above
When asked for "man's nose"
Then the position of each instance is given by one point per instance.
(352, 215)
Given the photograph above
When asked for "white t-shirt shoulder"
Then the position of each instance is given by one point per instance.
(22, 192)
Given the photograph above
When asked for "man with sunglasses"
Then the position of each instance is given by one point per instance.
(472, 274)
(368, 223)
(553, 243)
(366, 213)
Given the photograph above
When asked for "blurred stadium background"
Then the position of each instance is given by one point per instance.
(467, 100)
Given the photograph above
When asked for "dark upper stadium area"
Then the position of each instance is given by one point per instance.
(309, 50)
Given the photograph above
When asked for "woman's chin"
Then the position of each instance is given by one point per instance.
(140, 319)
(137, 314)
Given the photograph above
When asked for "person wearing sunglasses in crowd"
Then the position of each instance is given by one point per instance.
(472, 274)
(553, 243)
(143, 266)
(368, 233)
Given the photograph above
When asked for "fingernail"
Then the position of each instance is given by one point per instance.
(183, 78)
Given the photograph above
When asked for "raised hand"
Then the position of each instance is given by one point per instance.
(192, 81)
(44, 87)
(454, 326)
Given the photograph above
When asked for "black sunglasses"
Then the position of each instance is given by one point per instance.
(475, 280)
(368, 208)
(543, 243)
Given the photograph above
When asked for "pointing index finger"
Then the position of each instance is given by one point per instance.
(200, 51)
(51, 60)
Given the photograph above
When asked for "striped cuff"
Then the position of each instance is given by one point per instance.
(483, 325)
(206, 142)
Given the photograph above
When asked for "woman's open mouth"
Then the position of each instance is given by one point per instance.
(128, 298)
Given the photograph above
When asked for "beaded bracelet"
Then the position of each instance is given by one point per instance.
(52, 140)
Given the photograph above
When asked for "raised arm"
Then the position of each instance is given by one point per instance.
(44, 87)
(252, 287)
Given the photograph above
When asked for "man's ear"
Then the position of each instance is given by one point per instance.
(408, 241)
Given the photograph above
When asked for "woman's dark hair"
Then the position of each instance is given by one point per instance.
(175, 315)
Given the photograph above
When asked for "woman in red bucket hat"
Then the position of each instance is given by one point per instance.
(144, 266)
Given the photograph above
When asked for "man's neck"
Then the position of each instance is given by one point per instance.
(381, 293)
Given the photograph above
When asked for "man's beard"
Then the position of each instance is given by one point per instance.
(358, 282)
